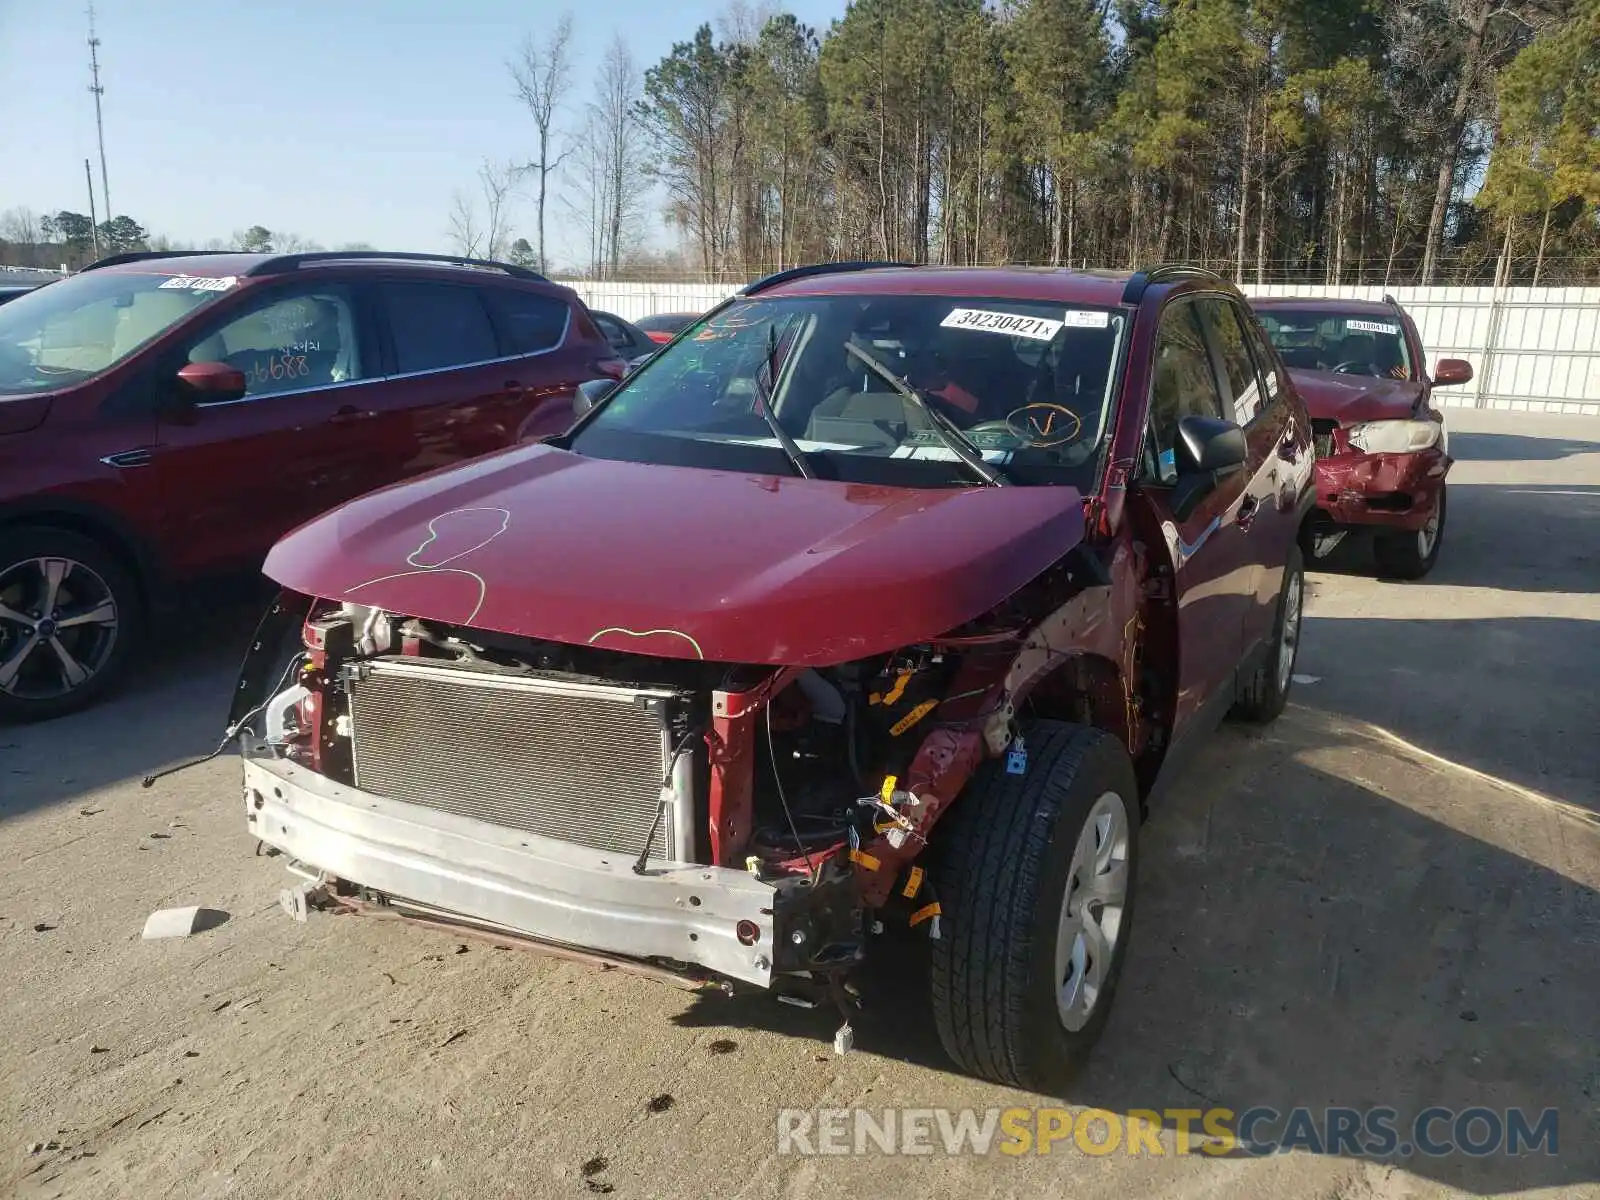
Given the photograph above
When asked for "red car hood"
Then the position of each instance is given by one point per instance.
(681, 562)
(1352, 398)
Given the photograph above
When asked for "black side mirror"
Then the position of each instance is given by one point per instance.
(591, 393)
(1208, 449)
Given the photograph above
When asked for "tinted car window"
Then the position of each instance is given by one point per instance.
(305, 338)
(437, 325)
(614, 332)
(1266, 365)
(1184, 386)
(529, 322)
(1239, 369)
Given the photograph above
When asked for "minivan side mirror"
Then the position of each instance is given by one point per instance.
(1208, 449)
(1452, 371)
(591, 393)
(212, 382)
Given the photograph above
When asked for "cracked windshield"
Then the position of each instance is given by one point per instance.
(908, 390)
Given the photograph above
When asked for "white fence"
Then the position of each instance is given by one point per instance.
(1532, 349)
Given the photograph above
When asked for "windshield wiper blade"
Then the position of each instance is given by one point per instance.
(953, 438)
(790, 446)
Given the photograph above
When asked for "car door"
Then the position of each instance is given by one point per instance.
(1266, 513)
(234, 475)
(453, 394)
(559, 346)
(1213, 569)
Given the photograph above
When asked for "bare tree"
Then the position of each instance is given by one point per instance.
(741, 22)
(587, 202)
(21, 227)
(543, 73)
(618, 92)
(480, 227)
(293, 243)
(466, 237)
(498, 184)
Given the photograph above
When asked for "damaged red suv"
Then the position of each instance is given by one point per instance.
(1382, 448)
(880, 602)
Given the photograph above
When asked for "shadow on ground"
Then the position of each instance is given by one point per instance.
(1304, 940)
(1512, 697)
(1516, 537)
(1512, 447)
(173, 707)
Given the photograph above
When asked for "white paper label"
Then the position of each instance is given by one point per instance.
(1371, 327)
(1087, 318)
(1037, 328)
(201, 283)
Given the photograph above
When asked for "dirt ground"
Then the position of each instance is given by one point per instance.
(1391, 897)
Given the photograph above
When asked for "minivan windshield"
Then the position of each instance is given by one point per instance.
(75, 328)
(1025, 385)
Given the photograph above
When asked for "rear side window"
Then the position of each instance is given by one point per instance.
(1184, 386)
(614, 333)
(1239, 369)
(438, 325)
(529, 322)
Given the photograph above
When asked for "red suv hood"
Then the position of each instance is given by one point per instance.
(1352, 398)
(681, 562)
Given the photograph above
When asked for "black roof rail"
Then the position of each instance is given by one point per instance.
(114, 260)
(1162, 273)
(280, 264)
(806, 272)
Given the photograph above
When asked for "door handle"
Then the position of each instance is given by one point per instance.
(350, 414)
(1248, 507)
(512, 385)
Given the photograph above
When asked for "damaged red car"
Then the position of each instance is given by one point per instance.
(1382, 448)
(878, 604)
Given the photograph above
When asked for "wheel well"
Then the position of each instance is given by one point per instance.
(1085, 690)
(104, 533)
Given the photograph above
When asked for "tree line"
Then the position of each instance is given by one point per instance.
(1328, 141)
(71, 239)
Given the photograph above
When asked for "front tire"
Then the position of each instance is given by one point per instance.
(70, 615)
(1412, 555)
(1264, 694)
(1035, 875)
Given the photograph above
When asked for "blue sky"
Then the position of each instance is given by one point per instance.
(335, 119)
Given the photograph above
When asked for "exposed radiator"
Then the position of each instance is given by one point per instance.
(578, 761)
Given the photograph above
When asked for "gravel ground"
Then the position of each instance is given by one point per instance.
(1391, 897)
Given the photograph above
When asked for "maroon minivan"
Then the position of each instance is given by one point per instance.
(168, 417)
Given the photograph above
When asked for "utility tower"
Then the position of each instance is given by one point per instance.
(99, 125)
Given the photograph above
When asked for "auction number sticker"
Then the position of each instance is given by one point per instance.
(1037, 328)
(1371, 327)
(1087, 318)
(201, 283)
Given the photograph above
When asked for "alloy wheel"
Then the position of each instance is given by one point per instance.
(1289, 638)
(58, 627)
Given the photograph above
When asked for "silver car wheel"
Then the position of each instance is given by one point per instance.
(1289, 639)
(58, 627)
(1092, 911)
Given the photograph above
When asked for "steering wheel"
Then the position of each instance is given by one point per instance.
(1355, 366)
